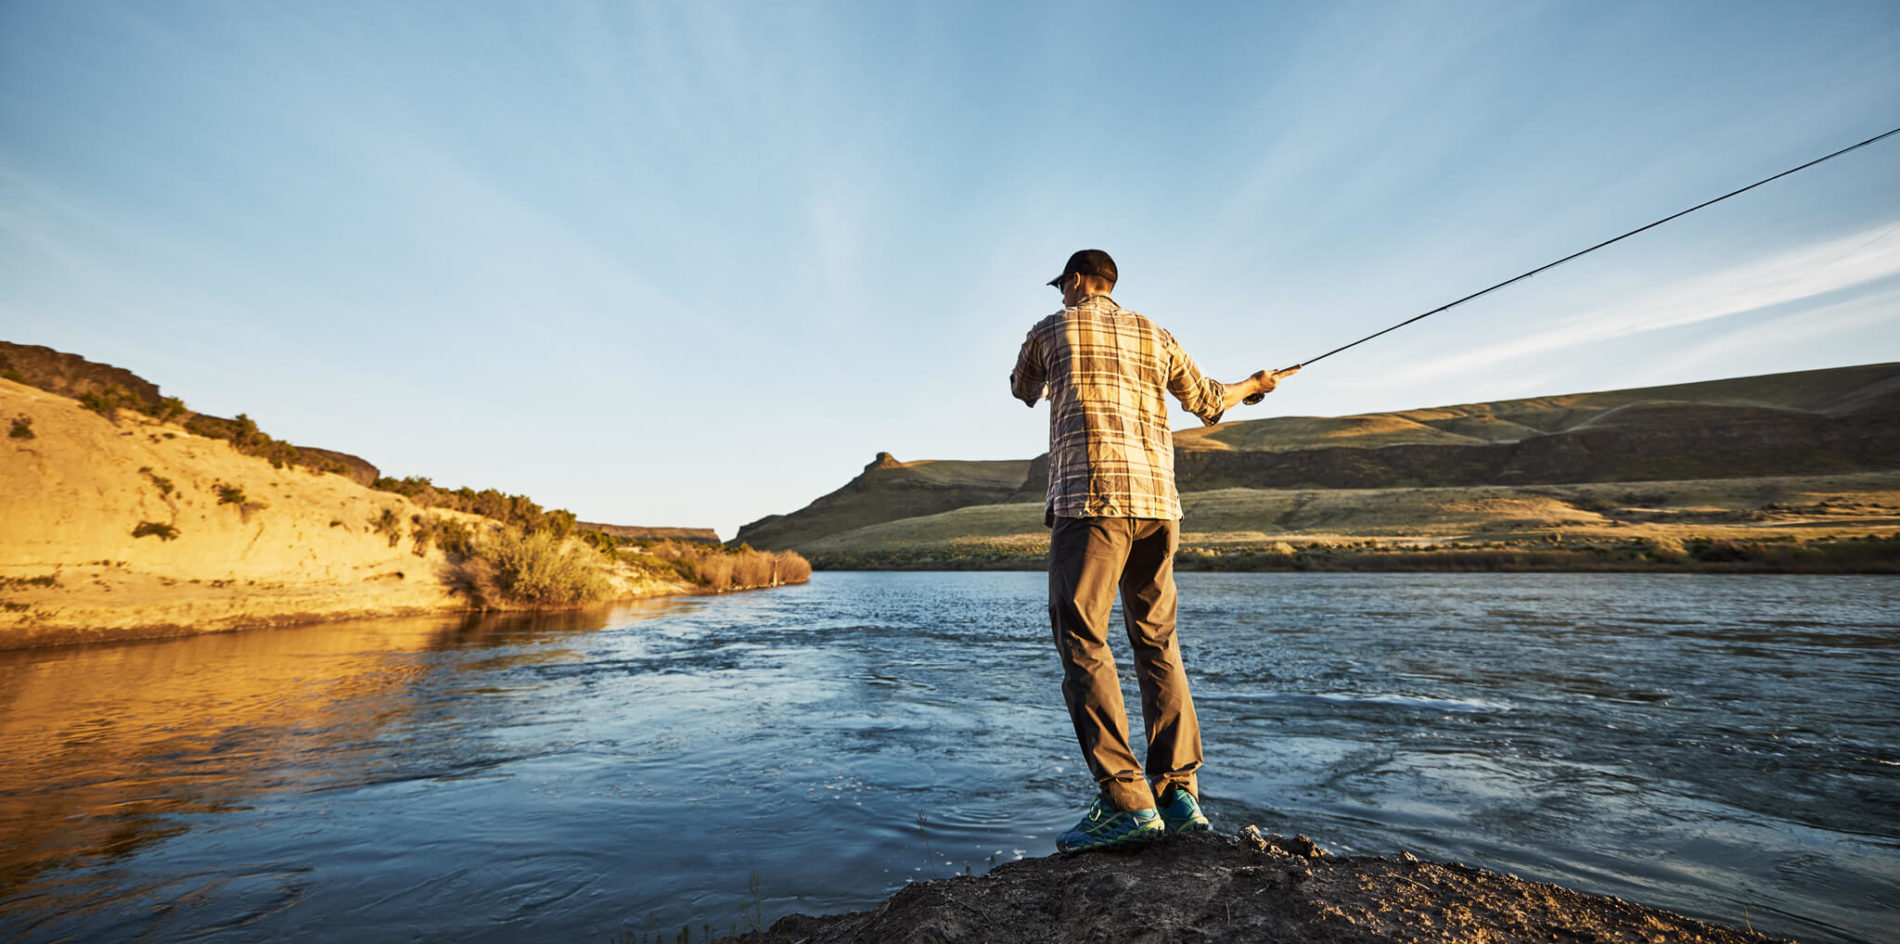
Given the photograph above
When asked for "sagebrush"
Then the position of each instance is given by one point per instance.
(538, 567)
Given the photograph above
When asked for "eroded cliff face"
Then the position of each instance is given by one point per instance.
(70, 375)
(120, 522)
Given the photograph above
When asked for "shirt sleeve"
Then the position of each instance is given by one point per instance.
(1027, 382)
(1199, 395)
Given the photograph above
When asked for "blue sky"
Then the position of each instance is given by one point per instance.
(697, 263)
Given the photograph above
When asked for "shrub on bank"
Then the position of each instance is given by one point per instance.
(166, 410)
(454, 536)
(244, 436)
(1668, 550)
(517, 510)
(157, 529)
(539, 568)
(107, 401)
(163, 484)
(389, 525)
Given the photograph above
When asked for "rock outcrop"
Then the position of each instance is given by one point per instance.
(1245, 888)
(70, 375)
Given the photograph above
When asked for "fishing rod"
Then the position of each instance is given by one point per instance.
(1256, 398)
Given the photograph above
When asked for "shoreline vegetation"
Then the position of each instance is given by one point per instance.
(1867, 554)
(514, 568)
(525, 555)
(128, 516)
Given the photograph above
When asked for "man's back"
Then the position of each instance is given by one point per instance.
(1106, 370)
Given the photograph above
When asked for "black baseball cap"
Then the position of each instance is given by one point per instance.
(1088, 262)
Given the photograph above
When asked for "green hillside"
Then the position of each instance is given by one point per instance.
(1596, 524)
(1837, 422)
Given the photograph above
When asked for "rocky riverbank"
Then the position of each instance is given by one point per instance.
(1248, 887)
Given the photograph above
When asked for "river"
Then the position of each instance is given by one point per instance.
(1723, 746)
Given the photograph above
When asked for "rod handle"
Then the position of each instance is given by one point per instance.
(1284, 372)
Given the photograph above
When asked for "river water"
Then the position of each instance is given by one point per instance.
(1727, 747)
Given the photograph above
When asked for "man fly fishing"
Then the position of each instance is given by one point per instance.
(1115, 519)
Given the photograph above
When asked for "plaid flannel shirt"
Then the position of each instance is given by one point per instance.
(1104, 368)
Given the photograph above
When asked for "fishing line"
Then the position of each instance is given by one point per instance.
(1256, 398)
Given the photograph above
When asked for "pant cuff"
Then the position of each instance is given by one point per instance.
(1187, 783)
(1129, 795)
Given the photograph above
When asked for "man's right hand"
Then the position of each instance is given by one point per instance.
(1264, 382)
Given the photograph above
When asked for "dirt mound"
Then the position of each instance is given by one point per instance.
(1247, 887)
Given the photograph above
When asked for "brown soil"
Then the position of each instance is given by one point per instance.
(1247, 887)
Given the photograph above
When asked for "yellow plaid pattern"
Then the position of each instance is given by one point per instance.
(1104, 369)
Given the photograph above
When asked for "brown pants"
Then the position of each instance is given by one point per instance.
(1088, 559)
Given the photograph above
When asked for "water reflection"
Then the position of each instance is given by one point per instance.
(113, 748)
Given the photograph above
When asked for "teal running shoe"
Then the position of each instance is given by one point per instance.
(1182, 813)
(1106, 826)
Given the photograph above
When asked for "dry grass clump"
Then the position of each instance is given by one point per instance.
(749, 568)
(718, 567)
(505, 565)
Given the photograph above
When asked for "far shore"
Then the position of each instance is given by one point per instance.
(1865, 555)
(122, 522)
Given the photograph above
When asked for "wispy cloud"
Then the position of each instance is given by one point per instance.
(1876, 308)
(1823, 268)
